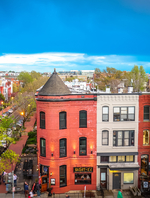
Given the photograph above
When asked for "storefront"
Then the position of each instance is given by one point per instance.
(44, 173)
(117, 177)
(83, 175)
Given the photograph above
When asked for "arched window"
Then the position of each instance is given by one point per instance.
(42, 120)
(146, 137)
(62, 120)
(42, 147)
(63, 175)
(146, 112)
(144, 165)
(62, 147)
(105, 114)
(83, 119)
(105, 137)
(82, 145)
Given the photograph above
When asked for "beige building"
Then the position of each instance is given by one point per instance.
(117, 141)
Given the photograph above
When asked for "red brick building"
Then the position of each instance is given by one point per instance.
(144, 139)
(66, 136)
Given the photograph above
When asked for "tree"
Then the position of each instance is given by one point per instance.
(25, 77)
(7, 159)
(26, 104)
(2, 97)
(5, 124)
(138, 78)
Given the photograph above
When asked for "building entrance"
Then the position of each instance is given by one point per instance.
(103, 177)
(116, 180)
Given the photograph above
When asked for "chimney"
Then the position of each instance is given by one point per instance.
(130, 89)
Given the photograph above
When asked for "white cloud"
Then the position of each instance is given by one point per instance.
(67, 61)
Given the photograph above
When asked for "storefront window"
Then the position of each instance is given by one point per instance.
(83, 178)
(144, 164)
(128, 178)
(63, 179)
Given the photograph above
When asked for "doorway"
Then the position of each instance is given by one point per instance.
(116, 180)
(103, 177)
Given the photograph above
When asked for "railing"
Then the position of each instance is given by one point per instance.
(102, 190)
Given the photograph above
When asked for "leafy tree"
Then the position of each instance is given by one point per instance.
(8, 158)
(139, 78)
(2, 97)
(5, 124)
(26, 103)
(35, 75)
(25, 77)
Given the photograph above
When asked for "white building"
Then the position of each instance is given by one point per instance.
(117, 140)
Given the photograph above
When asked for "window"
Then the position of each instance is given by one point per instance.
(123, 138)
(124, 113)
(129, 158)
(84, 178)
(144, 164)
(104, 159)
(105, 115)
(63, 176)
(113, 158)
(42, 120)
(42, 147)
(62, 120)
(82, 146)
(62, 147)
(146, 113)
(121, 158)
(83, 119)
(146, 137)
(128, 178)
(105, 137)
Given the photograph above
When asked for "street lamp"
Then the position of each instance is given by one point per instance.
(12, 99)
(2, 107)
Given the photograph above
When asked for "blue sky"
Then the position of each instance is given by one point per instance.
(74, 34)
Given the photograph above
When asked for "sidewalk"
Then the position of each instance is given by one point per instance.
(6, 109)
(18, 148)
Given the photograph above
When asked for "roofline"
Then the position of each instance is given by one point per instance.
(98, 94)
(67, 99)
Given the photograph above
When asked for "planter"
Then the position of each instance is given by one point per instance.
(49, 192)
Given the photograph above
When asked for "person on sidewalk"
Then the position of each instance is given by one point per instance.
(120, 194)
(15, 180)
(38, 189)
(26, 189)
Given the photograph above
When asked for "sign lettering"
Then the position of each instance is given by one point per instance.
(82, 169)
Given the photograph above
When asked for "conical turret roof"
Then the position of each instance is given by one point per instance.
(54, 86)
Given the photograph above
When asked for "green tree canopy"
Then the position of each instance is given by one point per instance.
(25, 77)
(7, 159)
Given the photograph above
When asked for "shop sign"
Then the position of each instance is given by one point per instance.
(82, 169)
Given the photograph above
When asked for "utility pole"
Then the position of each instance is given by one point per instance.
(13, 188)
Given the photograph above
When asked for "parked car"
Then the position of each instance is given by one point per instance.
(9, 132)
(19, 124)
(4, 114)
(10, 111)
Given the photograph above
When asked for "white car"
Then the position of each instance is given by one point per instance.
(10, 111)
